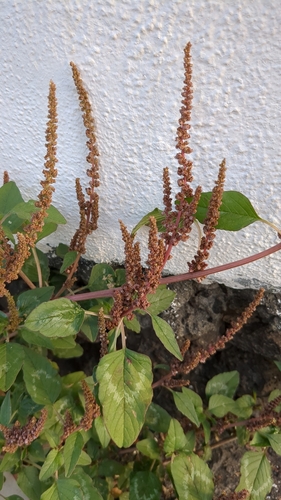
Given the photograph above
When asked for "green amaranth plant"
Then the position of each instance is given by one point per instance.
(102, 436)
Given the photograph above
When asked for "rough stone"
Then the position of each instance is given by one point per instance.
(203, 312)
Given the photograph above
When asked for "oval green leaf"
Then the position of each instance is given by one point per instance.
(63, 489)
(166, 335)
(192, 477)
(72, 451)
(158, 214)
(27, 301)
(175, 439)
(224, 383)
(58, 318)
(255, 475)
(52, 463)
(236, 211)
(187, 406)
(125, 379)
(145, 485)
(42, 380)
(11, 359)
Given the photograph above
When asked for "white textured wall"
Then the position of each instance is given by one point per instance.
(130, 56)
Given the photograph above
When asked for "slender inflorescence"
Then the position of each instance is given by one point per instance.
(207, 241)
(185, 166)
(17, 436)
(12, 259)
(50, 173)
(139, 283)
(88, 209)
(92, 410)
(102, 333)
(178, 222)
(192, 359)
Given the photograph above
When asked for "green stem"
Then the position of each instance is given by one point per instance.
(123, 336)
(38, 267)
(271, 225)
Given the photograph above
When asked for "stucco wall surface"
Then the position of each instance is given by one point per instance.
(130, 56)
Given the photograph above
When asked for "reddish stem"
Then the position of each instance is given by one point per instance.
(185, 276)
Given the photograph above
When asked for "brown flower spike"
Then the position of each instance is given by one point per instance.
(89, 211)
(17, 436)
(92, 410)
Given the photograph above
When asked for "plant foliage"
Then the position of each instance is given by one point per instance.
(102, 436)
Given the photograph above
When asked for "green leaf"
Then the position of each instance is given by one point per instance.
(120, 277)
(86, 485)
(260, 439)
(244, 406)
(6, 410)
(160, 300)
(102, 277)
(90, 327)
(63, 489)
(166, 335)
(185, 402)
(41, 379)
(68, 260)
(66, 348)
(192, 477)
(236, 211)
(157, 419)
(175, 439)
(24, 210)
(29, 483)
(273, 395)
(48, 228)
(149, 448)
(29, 268)
(27, 301)
(61, 250)
(255, 475)
(58, 318)
(224, 383)
(9, 197)
(100, 433)
(220, 405)
(54, 216)
(9, 461)
(133, 324)
(52, 463)
(274, 439)
(11, 359)
(144, 485)
(72, 451)
(35, 338)
(158, 214)
(109, 468)
(84, 459)
(125, 379)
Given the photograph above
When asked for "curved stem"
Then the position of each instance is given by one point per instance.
(270, 224)
(185, 276)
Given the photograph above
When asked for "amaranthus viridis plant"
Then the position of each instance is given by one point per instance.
(64, 433)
